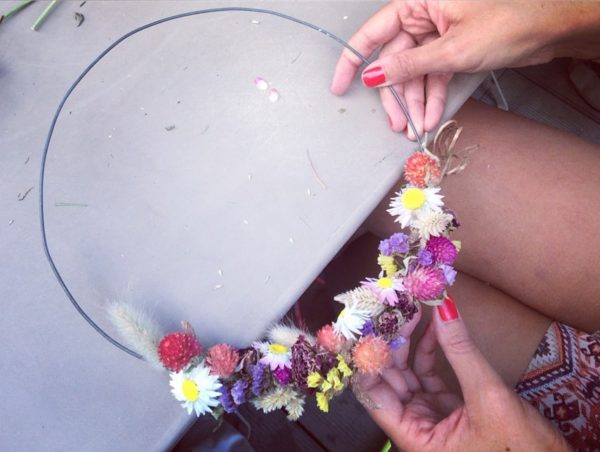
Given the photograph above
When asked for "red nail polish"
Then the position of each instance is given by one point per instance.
(447, 310)
(390, 121)
(373, 76)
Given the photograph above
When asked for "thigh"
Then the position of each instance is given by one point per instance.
(529, 208)
(506, 331)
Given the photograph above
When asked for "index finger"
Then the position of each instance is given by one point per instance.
(380, 28)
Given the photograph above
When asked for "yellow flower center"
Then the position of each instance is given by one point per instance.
(278, 349)
(342, 313)
(413, 198)
(190, 390)
(385, 283)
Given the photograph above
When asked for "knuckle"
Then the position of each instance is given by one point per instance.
(461, 344)
(403, 67)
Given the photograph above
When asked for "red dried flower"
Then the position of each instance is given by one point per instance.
(176, 350)
(422, 170)
(222, 360)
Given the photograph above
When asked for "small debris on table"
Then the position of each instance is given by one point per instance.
(273, 95)
(342, 110)
(255, 22)
(218, 286)
(267, 279)
(220, 272)
(249, 177)
(10, 222)
(261, 83)
(345, 17)
(169, 128)
(79, 18)
(82, 3)
(27, 160)
(245, 222)
(292, 241)
(22, 196)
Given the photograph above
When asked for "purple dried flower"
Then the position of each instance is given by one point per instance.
(442, 249)
(449, 273)
(282, 375)
(387, 324)
(259, 380)
(395, 344)
(367, 328)
(425, 258)
(396, 244)
(226, 400)
(303, 362)
(406, 307)
(238, 391)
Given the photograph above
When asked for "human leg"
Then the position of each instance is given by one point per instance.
(529, 208)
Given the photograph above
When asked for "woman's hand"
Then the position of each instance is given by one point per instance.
(423, 43)
(418, 413)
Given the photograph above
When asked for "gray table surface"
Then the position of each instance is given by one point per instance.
(149, 215)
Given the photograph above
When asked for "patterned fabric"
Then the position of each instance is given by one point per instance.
(563, 383)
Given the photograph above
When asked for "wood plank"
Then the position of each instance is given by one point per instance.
(554, 78)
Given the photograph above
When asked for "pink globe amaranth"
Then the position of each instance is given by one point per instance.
(442, 250)
(329, 339)
(222, 360)
(425, 283)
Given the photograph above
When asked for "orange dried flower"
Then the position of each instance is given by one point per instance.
(330, 340)
(372, 355)
(422, 170)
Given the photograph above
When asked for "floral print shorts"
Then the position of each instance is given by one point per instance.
(563, 383)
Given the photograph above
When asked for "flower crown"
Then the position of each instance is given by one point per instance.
(290, 365)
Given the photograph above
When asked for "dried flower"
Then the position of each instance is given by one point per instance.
(442, 250)
(367, 328)
(226, 400)
(362, 299)
(275, 399)
(449, 274)
(222, 360)
(274, 355)
(304, 361)
(411, 203)
(295, 408)
(396, 244)
(176, 350)
(425, 283)
(385, 288)
(388, 323)
(350, 322)
(422, 170)
(238, 391)
(282, 375)
(425, 258)
(286, 335)
(137, 329)
(432, 223)
(372, 355)
(329, 339)
(196, 389)
(259, 378)
(322, 402)
(387, 264)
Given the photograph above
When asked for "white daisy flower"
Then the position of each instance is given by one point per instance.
(197, 390)
(274, 355)
(350, 321)
(411, 202)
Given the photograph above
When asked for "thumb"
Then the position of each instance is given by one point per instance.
(474, 373)
(398, 67)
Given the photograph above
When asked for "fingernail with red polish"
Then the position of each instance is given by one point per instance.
(447, 310)
(373, 76)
